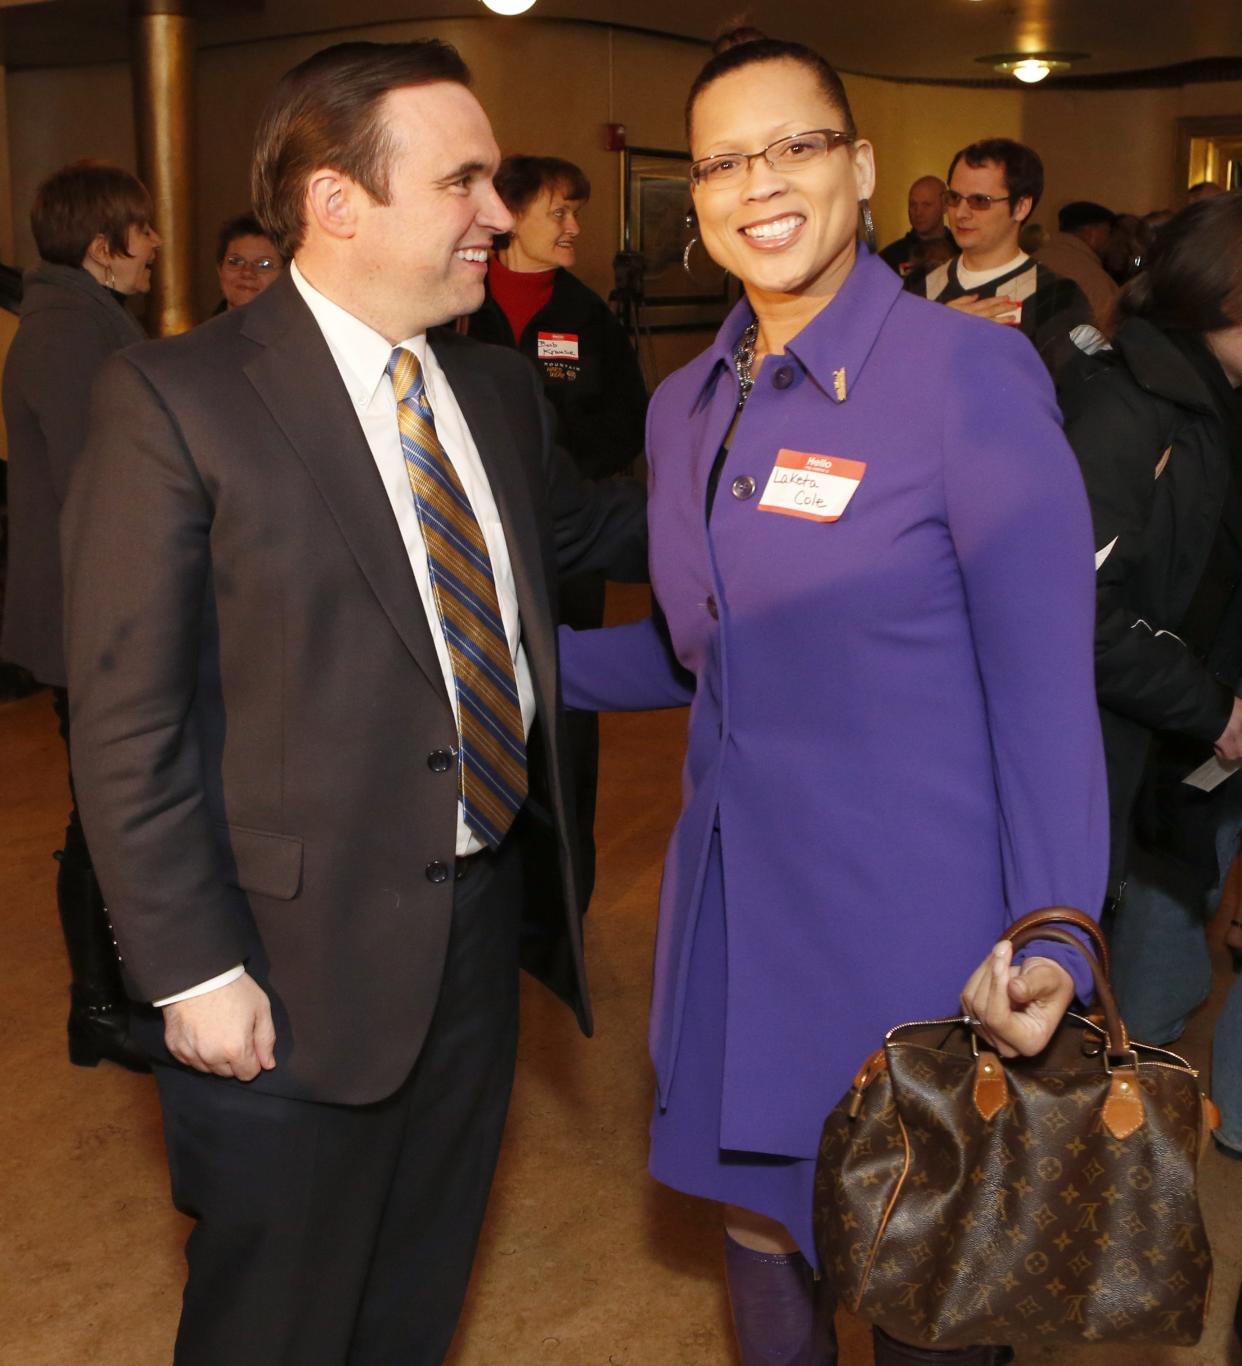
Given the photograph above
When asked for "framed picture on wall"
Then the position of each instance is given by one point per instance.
(655, 199)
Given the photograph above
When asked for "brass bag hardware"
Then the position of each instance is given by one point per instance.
(991, 1089)
(1123, 1107)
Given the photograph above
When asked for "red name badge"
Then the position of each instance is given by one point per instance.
(558, 346)
(816, 487)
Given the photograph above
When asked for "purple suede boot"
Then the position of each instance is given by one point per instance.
(781, 1314)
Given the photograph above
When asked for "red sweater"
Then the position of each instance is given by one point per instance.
(520, 294)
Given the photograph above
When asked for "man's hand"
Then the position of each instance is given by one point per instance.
(1229, 742)
(1016, 1009)
(998, 309)
(228, 1031)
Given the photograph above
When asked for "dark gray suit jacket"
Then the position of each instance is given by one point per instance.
(256, 691)
(70, 325)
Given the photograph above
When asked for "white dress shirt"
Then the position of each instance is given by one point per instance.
(361, 357)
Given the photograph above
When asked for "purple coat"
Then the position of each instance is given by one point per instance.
(893, 715)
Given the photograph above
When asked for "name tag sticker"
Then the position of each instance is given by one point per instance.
(817, 487)
(558, 346)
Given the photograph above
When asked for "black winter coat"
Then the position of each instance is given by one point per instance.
(1158, 449)
(598, 393)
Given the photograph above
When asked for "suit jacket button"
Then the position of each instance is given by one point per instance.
(784, 377)
(744, 487)
(440, 760)
(712, 610)
(437, 871)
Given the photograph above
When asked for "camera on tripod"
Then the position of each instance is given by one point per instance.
(629, 271)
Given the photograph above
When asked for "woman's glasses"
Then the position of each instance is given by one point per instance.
(785, 154)
(263, 264)
(979, 202)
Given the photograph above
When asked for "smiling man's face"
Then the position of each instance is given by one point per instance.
(429, 244)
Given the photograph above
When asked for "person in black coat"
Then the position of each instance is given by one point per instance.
(588, 366)
(92, 225)
(589, 371)
(1156, 422)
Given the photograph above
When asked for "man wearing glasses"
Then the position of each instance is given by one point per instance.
(994, 187)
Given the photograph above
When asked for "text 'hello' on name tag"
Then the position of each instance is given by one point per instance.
(817, 487)
(558, 346)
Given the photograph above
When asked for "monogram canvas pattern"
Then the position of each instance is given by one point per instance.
(1035, 1226)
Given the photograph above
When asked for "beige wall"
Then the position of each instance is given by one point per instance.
(551, 86)
(916, 129)
(57, 115)
(1117, 147)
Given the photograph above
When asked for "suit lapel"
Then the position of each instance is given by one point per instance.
(298, 381)
(483, 406)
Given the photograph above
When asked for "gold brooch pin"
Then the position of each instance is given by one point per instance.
(838, 384)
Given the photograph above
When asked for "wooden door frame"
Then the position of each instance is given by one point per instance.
(1218, 127)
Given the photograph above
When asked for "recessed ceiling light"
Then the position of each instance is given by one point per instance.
(508, 6)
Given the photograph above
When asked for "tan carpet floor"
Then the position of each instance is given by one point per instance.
(585, 1261)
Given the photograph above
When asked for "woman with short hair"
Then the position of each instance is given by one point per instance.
(872, 553)
(92, 226)
(247, 261)
(590, 375)
(535, 303)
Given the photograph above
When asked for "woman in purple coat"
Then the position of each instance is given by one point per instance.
(871, 546)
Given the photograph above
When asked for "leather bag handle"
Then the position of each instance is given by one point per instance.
(1042, 925)
(1065, 915)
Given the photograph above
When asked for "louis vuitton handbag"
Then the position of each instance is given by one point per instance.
(964, 1199)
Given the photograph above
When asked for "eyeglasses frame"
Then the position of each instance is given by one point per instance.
(836, 138)
(245, 263)
(950, 203)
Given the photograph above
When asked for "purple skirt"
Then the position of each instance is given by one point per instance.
(685, 1135)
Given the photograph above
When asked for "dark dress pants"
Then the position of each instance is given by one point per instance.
(75, 852)
(582, 600)
(334, 1235)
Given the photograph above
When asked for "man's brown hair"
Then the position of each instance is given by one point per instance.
(85, 200)
(326, 112)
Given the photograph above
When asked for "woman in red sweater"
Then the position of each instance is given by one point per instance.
(590, 373)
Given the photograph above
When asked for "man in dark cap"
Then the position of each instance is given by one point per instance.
(1076, 251)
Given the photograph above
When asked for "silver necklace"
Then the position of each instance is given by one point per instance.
(743, 361)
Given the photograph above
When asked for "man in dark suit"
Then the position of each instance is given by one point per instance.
(316, 728)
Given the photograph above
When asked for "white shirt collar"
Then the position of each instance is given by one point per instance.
(361, 354)
(980, 277)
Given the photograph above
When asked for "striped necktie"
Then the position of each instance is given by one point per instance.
(492, 767)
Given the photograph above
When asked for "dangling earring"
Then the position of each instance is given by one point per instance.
(691, 220)
(110, 277)
(868, 224)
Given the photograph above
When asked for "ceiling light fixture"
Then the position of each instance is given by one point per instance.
(1031, 67)
(1029, 71)
(508, 6)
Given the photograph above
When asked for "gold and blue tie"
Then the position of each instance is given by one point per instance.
(492, 739)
